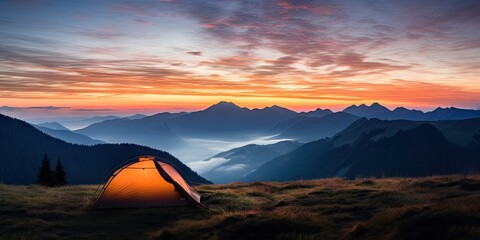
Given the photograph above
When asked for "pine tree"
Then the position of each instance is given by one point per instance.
(45, 175)
(61, 177)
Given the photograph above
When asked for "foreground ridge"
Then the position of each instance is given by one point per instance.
(368, 208)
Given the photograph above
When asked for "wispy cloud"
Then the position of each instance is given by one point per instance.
(110, 33)
(93, 109)
(53, 108)
(298, 52)
(8, 108)
(195, 53)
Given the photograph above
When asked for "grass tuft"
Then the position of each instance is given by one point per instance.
(438, 207)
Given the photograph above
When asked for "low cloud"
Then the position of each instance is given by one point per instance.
(231, 168)
(206, 166)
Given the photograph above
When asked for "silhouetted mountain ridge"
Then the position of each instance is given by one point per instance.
(316, 113)
(226, 121)
(150, 131)
(23, 147)
(221, 120)
(382, 148)
(374, 111)
(52, 125)
(69, 136)
(378, 111)
(306, 129)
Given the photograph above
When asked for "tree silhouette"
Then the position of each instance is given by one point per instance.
(51, 178)
(60, 175)
(45, 176)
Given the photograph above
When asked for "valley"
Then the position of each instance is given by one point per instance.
(227, 143)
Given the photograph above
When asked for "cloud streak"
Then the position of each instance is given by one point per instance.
(8, 108)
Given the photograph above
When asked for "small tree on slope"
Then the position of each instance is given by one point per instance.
(61, 177)
(45, 176)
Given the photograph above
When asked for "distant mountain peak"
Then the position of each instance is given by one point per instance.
(355, 108)
(319, 112)
(276, 107)
(374, 110)
(137, 116)
(377, 105)
(351, 107)
(403, 109)
(447, 108)
(53, 125)
(223, 105)
(363, 105)
(322, 110)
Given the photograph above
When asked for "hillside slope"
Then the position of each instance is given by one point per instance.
(382, 148)
(149, 131)
(52, 125)
(307, 129)
(392, 208)
(240, 161)
(23, 146)
(69, 136)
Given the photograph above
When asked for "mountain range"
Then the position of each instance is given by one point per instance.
(74, 124)
(225, 121)
(81, 123)
(23, 146)
(152, 131)
(68, 136)
(306, 129)
(52, 125)
(378, 111)
(373, 147)
(167, 131)
(358, 141)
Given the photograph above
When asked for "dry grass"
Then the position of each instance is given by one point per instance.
(392, 208)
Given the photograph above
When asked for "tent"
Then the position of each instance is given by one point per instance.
(146, 181)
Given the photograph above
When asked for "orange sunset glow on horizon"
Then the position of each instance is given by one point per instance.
(152, 56)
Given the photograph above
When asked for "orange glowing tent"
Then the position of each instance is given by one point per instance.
(146, 182)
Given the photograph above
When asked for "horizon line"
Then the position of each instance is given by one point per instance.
(68, 112)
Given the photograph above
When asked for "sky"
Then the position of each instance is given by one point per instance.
(90, 57)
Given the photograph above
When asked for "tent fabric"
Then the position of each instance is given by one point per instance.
(178, 179)
(147, 183)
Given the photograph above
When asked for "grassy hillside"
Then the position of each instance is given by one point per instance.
(391, 208)
(22, 147)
